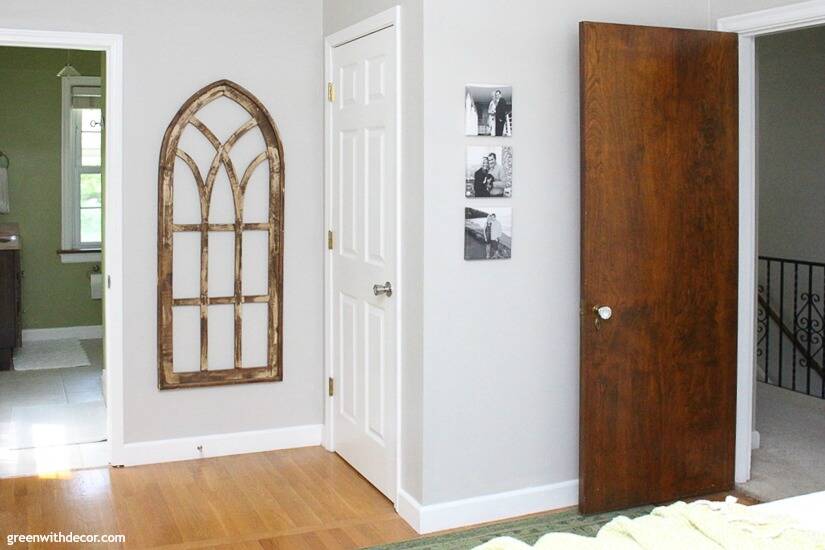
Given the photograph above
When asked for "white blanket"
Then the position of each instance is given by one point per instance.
(806, 510)
(696, 526)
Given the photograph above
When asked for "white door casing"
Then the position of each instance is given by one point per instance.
(363, 207)
(749, 26)
(113, 265)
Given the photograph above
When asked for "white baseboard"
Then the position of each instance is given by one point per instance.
(756, 440)
(409, 509)
(186, 448)
(470, 511)
(61, 333)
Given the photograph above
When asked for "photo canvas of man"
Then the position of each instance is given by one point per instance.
(488, 172)
(488, 233)
(501, 110)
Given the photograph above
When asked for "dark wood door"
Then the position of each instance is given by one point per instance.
(659, 190)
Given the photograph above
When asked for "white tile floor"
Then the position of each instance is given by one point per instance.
(53, 461)
(71, 395)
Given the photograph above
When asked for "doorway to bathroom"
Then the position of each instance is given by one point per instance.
(52, 183)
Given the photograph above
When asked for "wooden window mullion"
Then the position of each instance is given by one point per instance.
(204, 296)
(238, 198)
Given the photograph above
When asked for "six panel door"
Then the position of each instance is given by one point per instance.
(364, 254)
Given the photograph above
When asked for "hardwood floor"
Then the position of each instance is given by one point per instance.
(299, 498)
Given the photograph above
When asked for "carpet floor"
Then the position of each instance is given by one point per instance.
(789, 459)
(528, 529)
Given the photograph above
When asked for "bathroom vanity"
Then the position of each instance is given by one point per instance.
(10, 325)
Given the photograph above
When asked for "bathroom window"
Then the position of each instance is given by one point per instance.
(82, 194)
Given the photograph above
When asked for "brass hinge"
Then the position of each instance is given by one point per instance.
(331, 386)
(330, 240)
(331, 92)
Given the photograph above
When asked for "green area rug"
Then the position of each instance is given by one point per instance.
(528, 530)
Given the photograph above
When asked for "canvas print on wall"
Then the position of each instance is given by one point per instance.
(488, 171)
(488, 110)
(488, 233)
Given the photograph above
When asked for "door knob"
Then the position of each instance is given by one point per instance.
(603, 313)
(385, 289)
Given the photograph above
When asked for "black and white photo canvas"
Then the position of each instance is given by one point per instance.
(488, 233)
(488, 171)
(488, 110)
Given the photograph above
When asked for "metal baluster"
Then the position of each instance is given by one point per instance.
(781, 317)
(795, 323)
(810, 322)
(768, 324)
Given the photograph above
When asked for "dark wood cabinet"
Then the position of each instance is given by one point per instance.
(10, 326)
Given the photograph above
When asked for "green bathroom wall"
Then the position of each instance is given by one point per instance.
(54, 294)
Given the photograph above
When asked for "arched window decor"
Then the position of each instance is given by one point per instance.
(220, 242)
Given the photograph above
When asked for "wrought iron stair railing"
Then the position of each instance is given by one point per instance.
(791, 324)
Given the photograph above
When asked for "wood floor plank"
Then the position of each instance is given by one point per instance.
(255, 545)
(281, 499)
(298, 498)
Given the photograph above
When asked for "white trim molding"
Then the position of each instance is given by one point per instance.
(746, 339)
(80, 257)
(89, 332)
(380, 21)
(409, 509)
(190, 448)
(773, 20)
(749, 26)
(112, 45)
(756, 440)
(470, 511)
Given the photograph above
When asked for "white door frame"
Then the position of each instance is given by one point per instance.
(749, 26)
(112, 45)
(385, 19)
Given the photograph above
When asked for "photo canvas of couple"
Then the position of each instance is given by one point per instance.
(488, 110)
(488, 233)
(488, 172)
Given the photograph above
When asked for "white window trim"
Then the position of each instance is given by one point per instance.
(69, 197)
(91, 257)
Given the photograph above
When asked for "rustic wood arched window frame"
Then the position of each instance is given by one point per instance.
(274, 156)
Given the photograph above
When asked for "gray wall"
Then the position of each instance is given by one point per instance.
(502, 400)
(491, 348)
(726, 8)
(501, 363)
(337, 15)
(171, 49)
(791, 144)
(495, 374)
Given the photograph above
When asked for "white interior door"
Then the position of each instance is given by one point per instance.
(364, 325)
